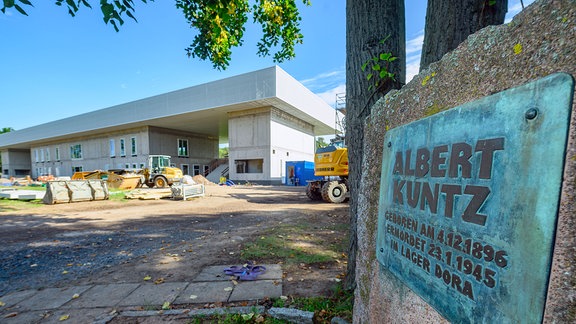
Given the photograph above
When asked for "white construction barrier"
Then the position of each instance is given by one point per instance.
(75, 190)
(185, 191)
(99, 189)
(79, 190)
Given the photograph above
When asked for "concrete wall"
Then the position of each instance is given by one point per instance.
(55, 157)
(249, 134)
(97, 152)
(539, 41)
(291, 140)
(270, 135)
(15, 162)
(201, 149)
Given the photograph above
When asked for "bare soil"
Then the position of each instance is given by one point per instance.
(111, 241)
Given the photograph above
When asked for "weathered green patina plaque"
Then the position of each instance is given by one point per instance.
(469, 201)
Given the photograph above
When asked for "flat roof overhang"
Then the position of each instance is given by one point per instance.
(201, 109)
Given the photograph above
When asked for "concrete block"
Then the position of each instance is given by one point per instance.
(292, 315)
(151, 294)
(14, 298)
(258, 289)
(206, 292)
(216, 273)
(51, 298)
(103, 296)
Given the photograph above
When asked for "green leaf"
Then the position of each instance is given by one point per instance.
(20, 10)
(26, 2)
(369, 76)
(385, 56)
(129, 14)
(376, 67)
(85, 3)
(364, 66)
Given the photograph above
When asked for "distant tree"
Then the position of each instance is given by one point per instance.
(449, 23)
(2, 131)
(220, 24)
(223, 152)
(320, 142)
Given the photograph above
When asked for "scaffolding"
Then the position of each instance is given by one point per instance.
(340, 107)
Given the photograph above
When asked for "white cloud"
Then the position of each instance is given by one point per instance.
(415, 44)
(329, 96)
(325, 81)
(514, 8)
(413, 52)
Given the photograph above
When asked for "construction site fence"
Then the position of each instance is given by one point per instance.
(58, 192)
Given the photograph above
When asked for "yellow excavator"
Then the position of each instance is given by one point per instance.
(330, 162)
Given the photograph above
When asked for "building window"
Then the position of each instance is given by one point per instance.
(122, 147)
(57, 151)
(134, 165)
(206, 170)
(36, 157)
(249, 166)
(195, 169)
(112, 147)
(76, 152)
(141, 165)
(47, 154)
(41, 155)
(76, 169)
(127, 166)
(185, 169)
(183, 147)
(133, 150)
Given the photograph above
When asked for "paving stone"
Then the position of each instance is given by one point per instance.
(151, 294)
(216, 273)
(26, 317)
(292, 315)
(206, 292)
(14, 298)
(212, 273)
(51, 298)
(258, 289)
(76, 316)
(103, 296)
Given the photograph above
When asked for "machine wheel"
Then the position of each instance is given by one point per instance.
(313, 192)
(160, 182)
(334, 192)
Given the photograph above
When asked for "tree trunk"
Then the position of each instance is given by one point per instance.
(449, 23)
(367, 23)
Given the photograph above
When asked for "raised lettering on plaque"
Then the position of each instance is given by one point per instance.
(469, 200)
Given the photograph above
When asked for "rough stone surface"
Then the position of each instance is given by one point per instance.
(292, 315)
(484, 64)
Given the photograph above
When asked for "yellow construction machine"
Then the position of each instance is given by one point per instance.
(330, 162)
(160, 173)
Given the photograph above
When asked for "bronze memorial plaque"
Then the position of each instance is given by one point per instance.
(469, 201)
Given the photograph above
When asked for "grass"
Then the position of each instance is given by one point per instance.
(293, 245)
(340, 304)
(117, 195)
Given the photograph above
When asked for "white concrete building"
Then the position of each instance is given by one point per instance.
(266, 116)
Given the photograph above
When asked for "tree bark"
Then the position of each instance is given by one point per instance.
(367, 23)
(449, 23)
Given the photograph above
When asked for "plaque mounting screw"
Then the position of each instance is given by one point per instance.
(382, 250)
(531, 113)
(389, 144)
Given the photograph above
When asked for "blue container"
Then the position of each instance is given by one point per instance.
(299, 172)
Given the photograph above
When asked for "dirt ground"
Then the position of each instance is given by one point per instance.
(168, 241)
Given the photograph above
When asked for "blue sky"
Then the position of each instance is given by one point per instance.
(54, 66)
